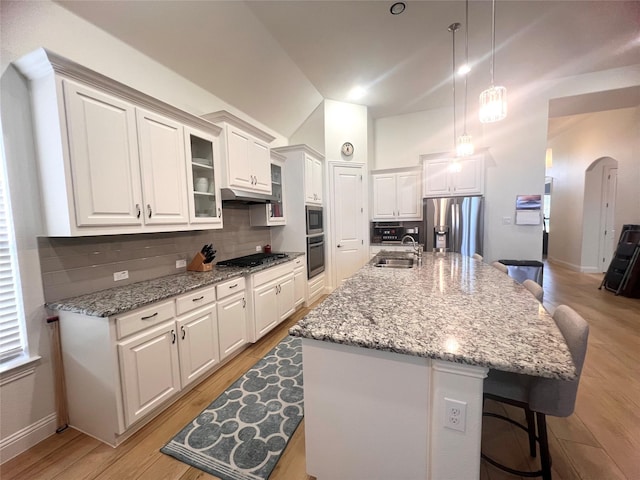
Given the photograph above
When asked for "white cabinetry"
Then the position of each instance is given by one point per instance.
(111, 160)
(246, 161)
(299, 281)
(315, 288)
(273, 298)
(397, 195)
(313, 180)
(273, 213)
(232, 316)
(441, 178)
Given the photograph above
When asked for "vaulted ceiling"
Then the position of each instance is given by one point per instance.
(277, 60)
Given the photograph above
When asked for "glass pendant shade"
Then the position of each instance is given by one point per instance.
(493, 104)
(464, 146)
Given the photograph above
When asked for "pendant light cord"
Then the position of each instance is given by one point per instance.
(466, 61)
(452, 28)
(493, 39)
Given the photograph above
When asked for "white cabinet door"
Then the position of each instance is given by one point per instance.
(469, 180)
(203, 170)
(409, 195)
(313, 180)
(299, 286)
(198, 343)
(260, 165)
(150, 370)
(238, 160)
(436, 178)
(103, 150)
(286, 296)
(232, 324)
(265, 308)
(384, 196)
(162, 158)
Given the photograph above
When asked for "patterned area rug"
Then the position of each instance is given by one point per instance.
(242, 434)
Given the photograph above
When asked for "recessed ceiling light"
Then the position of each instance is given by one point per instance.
(357, 93)
(464, 69)
(397, 8)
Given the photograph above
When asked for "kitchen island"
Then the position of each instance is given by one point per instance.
(391, 353)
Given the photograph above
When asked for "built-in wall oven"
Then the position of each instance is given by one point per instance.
(315, 255)
(314, 220)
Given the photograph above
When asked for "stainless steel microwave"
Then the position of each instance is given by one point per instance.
(314, 220)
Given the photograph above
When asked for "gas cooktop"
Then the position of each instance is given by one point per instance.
(253, 260)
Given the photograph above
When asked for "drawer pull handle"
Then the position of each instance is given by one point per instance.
(173, 336)
(184, 332)
(149, 316)
(197, 299)
(233, 286)
(149, 209)
(244, 303)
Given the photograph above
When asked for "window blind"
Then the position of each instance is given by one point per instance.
(11, 337)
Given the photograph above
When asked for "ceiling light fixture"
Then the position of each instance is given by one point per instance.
(454, 166)
(493, 101)
(357, 93)
(464, 147)
(397, 8)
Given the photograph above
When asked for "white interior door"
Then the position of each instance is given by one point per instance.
(349, 217)
(607, 222)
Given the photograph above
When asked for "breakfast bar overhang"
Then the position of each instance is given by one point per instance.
(389, 353)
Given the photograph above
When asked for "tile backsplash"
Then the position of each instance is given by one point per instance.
(75, 266)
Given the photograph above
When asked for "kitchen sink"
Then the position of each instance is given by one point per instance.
(394, 262)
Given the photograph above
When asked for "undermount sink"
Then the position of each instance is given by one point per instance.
(395, 262)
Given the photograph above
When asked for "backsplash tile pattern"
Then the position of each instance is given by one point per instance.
(75, 266)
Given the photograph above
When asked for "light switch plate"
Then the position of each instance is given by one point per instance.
(455, 414)
(506, 220)
(123, 275)
(181, 263)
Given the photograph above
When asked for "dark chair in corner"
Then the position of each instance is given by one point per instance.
(541, 396)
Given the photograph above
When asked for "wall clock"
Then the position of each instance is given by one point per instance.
(347, 149)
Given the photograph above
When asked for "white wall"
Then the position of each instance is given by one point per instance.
(27, 404)
(311, 132)
(575, 204)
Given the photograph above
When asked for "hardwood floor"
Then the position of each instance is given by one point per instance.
(601, 440)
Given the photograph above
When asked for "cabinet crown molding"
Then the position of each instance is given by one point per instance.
(297, 148)
(41, 62)
(416, 168)
(228, 117)
(441, 155)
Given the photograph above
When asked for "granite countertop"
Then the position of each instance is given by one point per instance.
(116, 300)
(450, 308)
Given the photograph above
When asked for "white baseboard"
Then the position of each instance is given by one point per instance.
(575, 268)
(27, 437)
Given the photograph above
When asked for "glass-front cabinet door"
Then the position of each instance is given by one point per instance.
(276, 207)
(203, 168)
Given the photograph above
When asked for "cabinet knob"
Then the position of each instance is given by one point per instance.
(338, 245)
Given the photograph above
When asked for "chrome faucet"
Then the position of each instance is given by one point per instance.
(416, 248)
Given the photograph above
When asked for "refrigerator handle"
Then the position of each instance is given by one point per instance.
(458, 233)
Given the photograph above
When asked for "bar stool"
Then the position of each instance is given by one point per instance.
(477, 256)
(501, 266)
(541, 396)
(535, 289)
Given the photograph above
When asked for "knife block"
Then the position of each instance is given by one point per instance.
(198, 265)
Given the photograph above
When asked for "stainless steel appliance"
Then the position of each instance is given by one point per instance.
(454, 224)
(253, 260)
(387, 233)
(315, 255)
(315, 223)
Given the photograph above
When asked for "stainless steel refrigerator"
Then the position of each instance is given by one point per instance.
(454, 224)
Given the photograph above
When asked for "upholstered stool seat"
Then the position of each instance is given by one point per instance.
(501, 266)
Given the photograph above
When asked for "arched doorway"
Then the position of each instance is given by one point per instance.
(599, 234)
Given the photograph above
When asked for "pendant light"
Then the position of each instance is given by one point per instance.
(464, 146)
(493, 101)
(454, 166)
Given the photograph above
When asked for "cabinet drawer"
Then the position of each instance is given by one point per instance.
(199, 298)
(144, 318)
(298, 262)
(230, 287)
(316, 286)
(272, 273)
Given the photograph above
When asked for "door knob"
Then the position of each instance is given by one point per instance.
(338, 245)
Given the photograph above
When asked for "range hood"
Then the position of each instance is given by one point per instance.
(234, 195)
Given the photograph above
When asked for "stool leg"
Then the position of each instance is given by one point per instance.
(545, 458)
(531, 430)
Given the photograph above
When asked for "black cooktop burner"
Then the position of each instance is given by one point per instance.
(253, 260)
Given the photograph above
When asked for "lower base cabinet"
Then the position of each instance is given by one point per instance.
(315, 288)
(150, 370)
(197, 343)
(299, 281)
(232, 324)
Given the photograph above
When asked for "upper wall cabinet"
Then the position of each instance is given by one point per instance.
(203, 177)
(273, 213)
(397, 195)
(246, 161)
(441, 180)
(112, 160)
(313, 184)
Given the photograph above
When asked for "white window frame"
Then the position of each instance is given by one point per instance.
(18, 355)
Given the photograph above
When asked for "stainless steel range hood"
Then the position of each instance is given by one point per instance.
(234, 195)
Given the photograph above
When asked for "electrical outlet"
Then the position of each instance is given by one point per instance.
(258, 248)
(123, 275)
(181, 263)
(506, 220)
(455, 414)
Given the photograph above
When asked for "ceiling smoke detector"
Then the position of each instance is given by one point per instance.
(397, 8)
